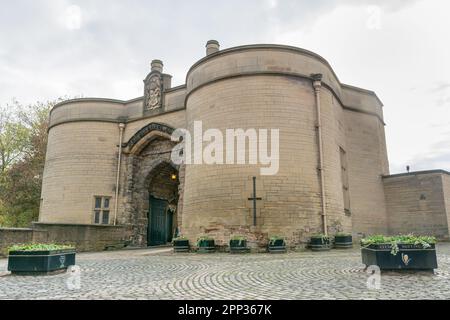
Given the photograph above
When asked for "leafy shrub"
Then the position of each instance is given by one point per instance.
(39, 247)
(394, 241)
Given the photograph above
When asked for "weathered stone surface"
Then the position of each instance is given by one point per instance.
(418, 203)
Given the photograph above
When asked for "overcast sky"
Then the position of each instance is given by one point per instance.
(98, 48)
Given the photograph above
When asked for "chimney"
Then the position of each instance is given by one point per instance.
(157, 65)
(212, 46)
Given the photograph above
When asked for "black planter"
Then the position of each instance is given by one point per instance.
(409, 257)
(180, 246)
(238, 246)
(319, 244)
(343, 242)
(206, 246)
(277, 246)
(35, 262)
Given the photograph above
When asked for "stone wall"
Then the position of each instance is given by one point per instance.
(13, 236)
(416, 203)
(367, 163)
(84, 237)
(9, 237)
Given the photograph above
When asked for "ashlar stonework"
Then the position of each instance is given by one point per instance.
(333, 177)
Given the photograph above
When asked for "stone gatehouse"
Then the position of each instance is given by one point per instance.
(108, 161)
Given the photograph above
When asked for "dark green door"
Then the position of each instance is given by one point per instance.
(158, 222)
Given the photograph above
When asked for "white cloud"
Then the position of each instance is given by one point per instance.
(403, 47)
(73, 17)
(374, 18)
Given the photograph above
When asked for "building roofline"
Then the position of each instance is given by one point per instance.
(361, 90)
(262, 47)
(108, 100)
(416, 173)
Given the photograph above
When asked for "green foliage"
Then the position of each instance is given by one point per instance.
(23, 142)
(241, 239)
(203, 238)
(342, 234)
(179, 238)
(39, 247)
(394, 241)
(274, 239)
(320, 236)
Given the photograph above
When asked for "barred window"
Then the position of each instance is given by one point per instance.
(101, 209)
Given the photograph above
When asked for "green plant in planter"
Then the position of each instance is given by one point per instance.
(394, 241)
(241, 239)
(179, 238)
(274, 239)
(39, 247)
(324, 238)
(204, 239)
(40, 258)
(343, 234)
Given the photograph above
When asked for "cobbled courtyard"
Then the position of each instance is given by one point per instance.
(160, 274)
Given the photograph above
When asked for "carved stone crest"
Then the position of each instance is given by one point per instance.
(153, 92)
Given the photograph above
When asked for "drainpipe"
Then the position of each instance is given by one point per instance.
(317, 84)
(119, 163)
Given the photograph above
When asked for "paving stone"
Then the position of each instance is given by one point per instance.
(128, 275)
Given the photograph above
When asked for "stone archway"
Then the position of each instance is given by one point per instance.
(149, 172)
(163, 185)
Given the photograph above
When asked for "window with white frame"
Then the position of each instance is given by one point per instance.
(101, 209)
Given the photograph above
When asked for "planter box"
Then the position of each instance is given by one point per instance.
(409, 257)
(206, 246)
(238, 246)
(277, 246)
(319, 244)
(180, 246)
(40, 261)
(343, 242)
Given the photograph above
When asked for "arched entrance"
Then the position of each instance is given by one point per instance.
(153, 189)
(163, 203)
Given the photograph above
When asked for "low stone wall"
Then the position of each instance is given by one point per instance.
(9, 237)
(84, 237)
(416, 203)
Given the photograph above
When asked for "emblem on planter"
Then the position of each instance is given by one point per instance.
(62, 259)
(406, 260)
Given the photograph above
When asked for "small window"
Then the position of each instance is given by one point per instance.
(101, 210)
(97, 217)
(105, 217)
(98, 203)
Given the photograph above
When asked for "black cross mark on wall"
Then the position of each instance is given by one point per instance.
(254, 199)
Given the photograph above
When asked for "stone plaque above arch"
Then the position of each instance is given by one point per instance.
(153, 92)
(142, 137)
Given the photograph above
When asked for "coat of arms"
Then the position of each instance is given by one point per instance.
(153, 90)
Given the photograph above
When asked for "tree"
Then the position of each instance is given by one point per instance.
(14, 137)
(23, 143)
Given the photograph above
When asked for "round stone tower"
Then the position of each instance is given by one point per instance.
(267, 87)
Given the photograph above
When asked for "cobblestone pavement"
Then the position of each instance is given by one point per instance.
(160, 274)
